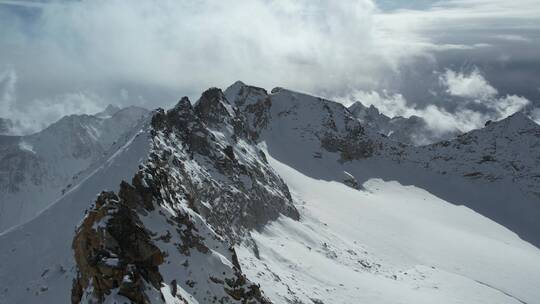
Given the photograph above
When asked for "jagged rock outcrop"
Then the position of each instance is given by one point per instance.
(210, 140)
(115, 252)
(204, 186)
(127, 240)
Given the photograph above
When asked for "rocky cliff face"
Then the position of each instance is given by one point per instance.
(205, 185)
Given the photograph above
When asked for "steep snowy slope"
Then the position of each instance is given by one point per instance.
(37, 169)
(387, 243)
(413, 130)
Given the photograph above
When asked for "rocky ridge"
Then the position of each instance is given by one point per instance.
(204, 187)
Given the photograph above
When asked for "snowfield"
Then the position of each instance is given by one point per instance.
(387, 243)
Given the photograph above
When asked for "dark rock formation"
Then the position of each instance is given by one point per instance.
(204, 186)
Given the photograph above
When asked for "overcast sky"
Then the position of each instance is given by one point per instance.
(456, 62)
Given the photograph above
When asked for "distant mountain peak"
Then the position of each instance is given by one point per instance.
(518, 122)
(519, 119)
(109, 111)
(412, 130)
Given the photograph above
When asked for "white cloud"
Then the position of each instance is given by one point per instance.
(476, 89)
(512, 37)
(437, 118)
(187, 46)
(182, 47)
(37, 114)
(535, 115)
(390, 104)
(197, 44)
(472, 85)
(8, 80)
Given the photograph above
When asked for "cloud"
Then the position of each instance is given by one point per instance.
(8, 80)
(472, 85)
(182, 47)
(437, 118)
(476, 89)
(33, 116)
(512, 37)
(535, 115)
(478, 102)
(195, 44)
(161, 50)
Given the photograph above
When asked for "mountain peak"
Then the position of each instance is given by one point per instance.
(213, 106)
(183, 103)
(109, 111)
(518, 121)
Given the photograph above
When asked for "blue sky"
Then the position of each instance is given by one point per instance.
(62, 57)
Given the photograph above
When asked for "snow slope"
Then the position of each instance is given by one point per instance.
(387, 243)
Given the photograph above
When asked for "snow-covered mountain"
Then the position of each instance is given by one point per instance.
(413, 130)
(37, 169)
(248, 196)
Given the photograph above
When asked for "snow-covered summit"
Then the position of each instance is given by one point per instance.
(109, 111)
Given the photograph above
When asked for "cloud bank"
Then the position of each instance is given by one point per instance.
(74, 56)
(475, 99)
(41, 112)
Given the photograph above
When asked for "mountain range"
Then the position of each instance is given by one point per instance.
(37, 169)
(413, 130)
(250, 196)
